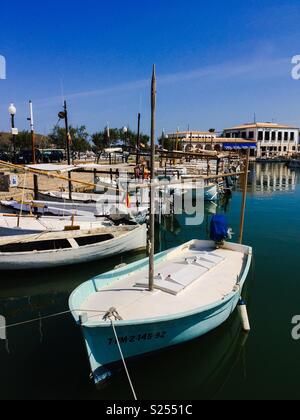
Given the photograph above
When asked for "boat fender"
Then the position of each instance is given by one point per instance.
(244, 315)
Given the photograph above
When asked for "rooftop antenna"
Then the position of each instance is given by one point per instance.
(255, 118)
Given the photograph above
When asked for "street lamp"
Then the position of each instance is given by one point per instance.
(12, 111)
(125, 131)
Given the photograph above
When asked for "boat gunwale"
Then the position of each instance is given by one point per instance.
(167, 318)
(119, 235)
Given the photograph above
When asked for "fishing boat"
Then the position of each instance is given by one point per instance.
(164, 300)
(57, 249)
(196, 289)
(115, 212)
(87, 198)
(13, 225)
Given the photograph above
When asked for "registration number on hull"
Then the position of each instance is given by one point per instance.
(138, 338)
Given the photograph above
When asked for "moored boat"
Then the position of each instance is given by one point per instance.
(115, 212)
(57, 249)
(12, 225)
(196, 289)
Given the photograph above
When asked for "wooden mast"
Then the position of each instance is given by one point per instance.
(152, 188)
(244, 201)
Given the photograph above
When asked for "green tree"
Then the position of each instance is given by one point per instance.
(101, 140)
(79, 138)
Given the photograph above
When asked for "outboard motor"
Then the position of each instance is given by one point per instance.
(219, 230)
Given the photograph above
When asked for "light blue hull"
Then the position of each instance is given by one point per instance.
(142, 339)
(149, 335)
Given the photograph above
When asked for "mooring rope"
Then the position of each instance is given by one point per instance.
(123, 360)
(42, 318)
(107, 315)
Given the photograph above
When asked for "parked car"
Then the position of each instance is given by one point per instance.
(5, 156)
(24, 157)
(51, 156)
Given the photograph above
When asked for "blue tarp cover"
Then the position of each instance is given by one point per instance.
(218, 228)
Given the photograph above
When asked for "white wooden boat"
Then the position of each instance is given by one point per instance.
(12, 225)
(47, 250)
(115, 212)
(87, 198)
(197, 287)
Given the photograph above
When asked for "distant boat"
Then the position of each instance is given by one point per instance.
(12, 225)
(211, 192)
(197, 287)
(57, 249)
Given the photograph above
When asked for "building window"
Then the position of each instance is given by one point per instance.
(228, 135)
(273, 135)
(267, 136)
(244, 135)
(280, 136)
(251, 135)
(286, 136)
(260, 136)
(292, 136)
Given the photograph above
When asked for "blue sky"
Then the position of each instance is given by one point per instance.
(217, 62)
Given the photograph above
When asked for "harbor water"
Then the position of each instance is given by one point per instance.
(47, 359)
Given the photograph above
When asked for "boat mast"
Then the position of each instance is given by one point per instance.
(244, 199)
(152, 189)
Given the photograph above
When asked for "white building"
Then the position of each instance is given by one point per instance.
(197, 141)
(273, 140)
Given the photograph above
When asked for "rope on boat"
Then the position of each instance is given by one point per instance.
(112, 313)
(108, 315)
(123, 360)
(43, 318)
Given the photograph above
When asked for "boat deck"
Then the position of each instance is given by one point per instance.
(191, 286)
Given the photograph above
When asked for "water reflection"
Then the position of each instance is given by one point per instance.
(267, 178)
(47, 359)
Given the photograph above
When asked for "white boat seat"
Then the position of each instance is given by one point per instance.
(178, 281)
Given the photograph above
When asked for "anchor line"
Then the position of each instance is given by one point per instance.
(123, 360)
(31, 321)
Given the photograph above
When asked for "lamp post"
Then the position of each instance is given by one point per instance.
(12, 111)
(125, 131)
